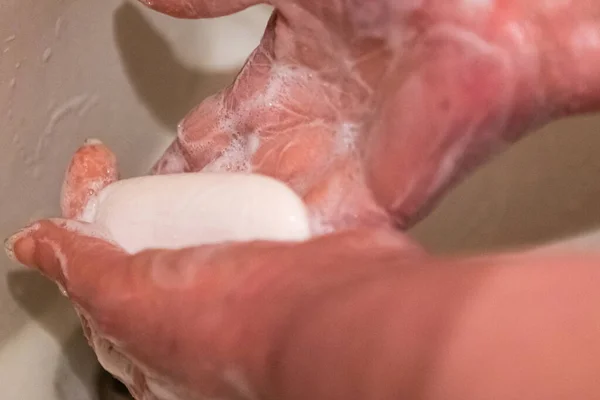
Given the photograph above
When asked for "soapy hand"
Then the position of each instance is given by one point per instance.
(181, 323)
(369, 111)
(352, 315)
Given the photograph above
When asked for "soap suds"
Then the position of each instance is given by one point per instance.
(236, 157)
(586, 37)
(318, 226)
(112, 360)
(171, 162)
(346, 137)
(161, 390)
(60, 256)
(82, 228)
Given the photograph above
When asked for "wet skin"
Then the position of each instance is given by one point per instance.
(369, 110)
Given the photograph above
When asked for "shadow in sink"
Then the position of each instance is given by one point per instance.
(544, 188)
(168, 88)
(76, 375)
(33, 293)
(110, 388)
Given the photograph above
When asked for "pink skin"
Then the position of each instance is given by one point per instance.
(92, 168)
(458, 83)
(370, 110)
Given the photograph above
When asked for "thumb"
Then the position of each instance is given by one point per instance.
(122, 294)
(77, 256)
(164, 309)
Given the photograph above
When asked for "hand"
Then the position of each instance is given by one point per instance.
(339, 104)
(354, 315)
(370, 110)
(244, 320)
(201, 322)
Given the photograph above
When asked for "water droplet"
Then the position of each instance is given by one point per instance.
(62, 289)
(47, 55)
(58, 26)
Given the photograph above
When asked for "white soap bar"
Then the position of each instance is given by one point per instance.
(182, 210)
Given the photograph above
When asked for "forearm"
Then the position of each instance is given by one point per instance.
(375, 336)
(354, 348)
(526, 327)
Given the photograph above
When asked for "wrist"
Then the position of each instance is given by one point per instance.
(365, 336)
(287, 286)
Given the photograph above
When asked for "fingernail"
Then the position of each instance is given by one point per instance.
(9, 243)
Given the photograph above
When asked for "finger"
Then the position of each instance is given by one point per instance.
(169, 309)
(264, 123)
(199, 8)
(124, 304)
(151, 306)
(42, 246)
(475, 91)
(92, 168)
(116, 290)
(77, 256)
(202, 137)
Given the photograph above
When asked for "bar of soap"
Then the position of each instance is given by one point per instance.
(182, 210)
